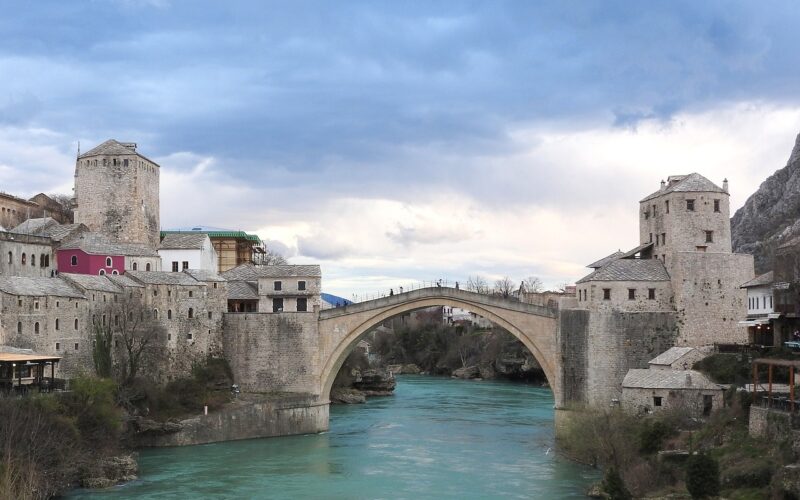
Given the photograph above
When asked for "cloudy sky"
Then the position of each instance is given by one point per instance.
(402, 141)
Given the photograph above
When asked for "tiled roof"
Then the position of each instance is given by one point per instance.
(630, 270)
(124, 281)
(242, 290)
(762, 280)
(63, 232)
(250, 272)
(671, 355)
(605, 260)
(35, 226)
(183, 241)
(19, 285)
(667, 379)
(222, 233)
(92, 282)
(204, 275)
(97, 244)
(162, 278)
(692, 183)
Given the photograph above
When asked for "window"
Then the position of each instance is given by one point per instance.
(174, 266)
(116, 320)
(155, 313)
(33, 260)
(108, 262)
(651, 294)
(189, 336)
(73, 260)
(301, 285)
(656, 400)
(663, 238)
(215, 285)
(277, 305)
(169, 336)
(655, 210)
(76, 323)
(606, 294)
(185, 265)
(646, 214)
(191, 312)
(277, 286)
(631, 293)
(155, 292)
(135, 266)
(690, 205)
(656, 239)
(147, 267)
(191, 293)
(666, 206)
(10, 256)
(115, 273)
(709, 236)
(36, 327)
(41, 260)
(19, 328)
(102, 272)
(36, 305)
(651, 237)
(169, 313)
(58, 346)
(716, 206)
(25, 259)
(302, 304)
(770, 301)
(76, 346)
(56, 323)
(125, 163)
(210, 315)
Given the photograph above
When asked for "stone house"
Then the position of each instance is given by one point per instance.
(181, 251)
(96, 254)
(688, 391)
(14, 210)
(50, 228)
(286, 288)
(233, 248)
(48, 207)
(678, 358)
(26, 255)
(760, 310)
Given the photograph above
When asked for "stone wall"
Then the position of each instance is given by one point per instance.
(620, 301)
(284, 416)
(273, 351)
(688, 401)
(39, 259)
(573, 339)
(708, 297)
(119, 196)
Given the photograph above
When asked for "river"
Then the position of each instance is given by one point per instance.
(435, 438)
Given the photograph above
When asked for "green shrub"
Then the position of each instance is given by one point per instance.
(652, 434)
(702, 476)
(613, 486)
(726, 368)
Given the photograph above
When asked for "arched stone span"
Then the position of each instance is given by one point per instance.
(341, 328)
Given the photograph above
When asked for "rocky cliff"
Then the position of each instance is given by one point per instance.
(771, 215)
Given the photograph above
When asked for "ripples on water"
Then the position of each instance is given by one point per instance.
(435, 438)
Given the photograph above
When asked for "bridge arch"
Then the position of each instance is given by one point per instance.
(342, 328)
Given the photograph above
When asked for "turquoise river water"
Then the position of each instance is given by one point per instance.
(435, 438)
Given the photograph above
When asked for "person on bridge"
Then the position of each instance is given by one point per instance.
(391, 292)
(456, 285)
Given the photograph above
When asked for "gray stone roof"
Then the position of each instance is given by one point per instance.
(630, 270)
(98, 244)
(667, 379)
(204, 275)
(162, 278)
(692, 183)
(30, 286)
(92, 282)
(762, 280)
(113, 147)
(250, 272)
(671, 355)
(124, 281)
(605, 260)
(242, 290)
(35, 226)
(63, 232)
(183, 241)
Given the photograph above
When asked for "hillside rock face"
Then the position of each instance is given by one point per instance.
(770, 216)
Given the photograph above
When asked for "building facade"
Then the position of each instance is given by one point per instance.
(181, 251)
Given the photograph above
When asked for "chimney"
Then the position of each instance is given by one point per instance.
(725, 185)
(663, 184)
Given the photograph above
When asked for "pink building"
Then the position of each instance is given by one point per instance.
(94, 254)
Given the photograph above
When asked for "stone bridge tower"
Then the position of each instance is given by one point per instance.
(116, 193)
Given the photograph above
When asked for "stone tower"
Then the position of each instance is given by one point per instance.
(116, 193)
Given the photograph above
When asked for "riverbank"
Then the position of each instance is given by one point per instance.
(435, 438)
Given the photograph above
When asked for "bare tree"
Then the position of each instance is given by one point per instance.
(477, 284)
(267, 257)
(136, 332)
(533, 284)
(64, 206)
(504, 286)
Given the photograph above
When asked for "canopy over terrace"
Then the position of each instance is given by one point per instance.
(21, 369)
(769, 392)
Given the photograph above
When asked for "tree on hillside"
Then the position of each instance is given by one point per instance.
(126, 335)
(504, 286)
(477, 284)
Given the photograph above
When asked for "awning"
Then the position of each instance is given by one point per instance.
(774, 315)
(754, 322)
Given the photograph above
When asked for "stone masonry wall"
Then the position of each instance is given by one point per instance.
(14, 246)
(273, 351)
(664, 300)
(690, 401)
(573, 341)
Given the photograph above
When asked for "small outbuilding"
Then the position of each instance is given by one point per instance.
(677, 358)
(654, 390)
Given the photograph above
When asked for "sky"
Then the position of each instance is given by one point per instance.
(393, 142)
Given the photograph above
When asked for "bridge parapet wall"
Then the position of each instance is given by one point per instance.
(273, 352)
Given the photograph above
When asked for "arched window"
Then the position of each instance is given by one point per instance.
(134, 266)
(41, 260)
(115, 272)
(169, 313)
(147, 267)
(33, 260)
(10, 256)
(36, 327)
(76, 323)
(116, 320)
(155, 313)
(102, 272)
(19, 328)
(108, 262)
(47, 261)
(56, 323)
(130, 316)
(24, 259)
(191, 312)
(73, 260)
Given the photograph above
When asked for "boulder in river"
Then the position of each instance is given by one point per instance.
(467, 372)
(341, 395)
(376, 382)
(110, 471)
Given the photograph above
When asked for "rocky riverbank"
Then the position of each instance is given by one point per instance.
(358, 384)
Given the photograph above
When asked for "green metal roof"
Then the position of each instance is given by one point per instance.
(239, 235)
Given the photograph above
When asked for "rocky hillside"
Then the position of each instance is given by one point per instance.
(771, 215)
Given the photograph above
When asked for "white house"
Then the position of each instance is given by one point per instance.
(760, 309)
(180, 251)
